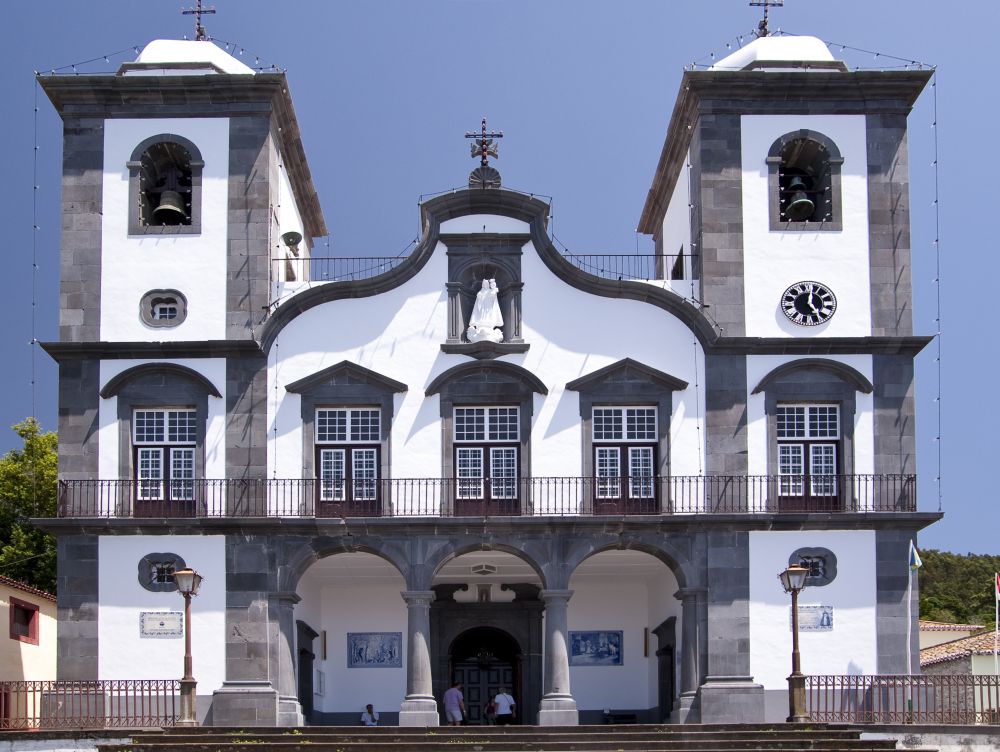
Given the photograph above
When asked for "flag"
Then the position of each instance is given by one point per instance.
(996, 582)
(915, 562)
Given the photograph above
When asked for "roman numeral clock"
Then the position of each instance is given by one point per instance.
(808, 303)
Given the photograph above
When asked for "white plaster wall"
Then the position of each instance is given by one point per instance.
(851, 647)
(775, 260)
(484, 223)
(213, 369)
(630, 605)
(122, 653)
(758, 366)
(371, 607)
(195, 265)
(676, 229)
(399, 333)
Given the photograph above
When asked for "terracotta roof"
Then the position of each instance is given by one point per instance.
(943, 626)
(26, 588)
(978, 644)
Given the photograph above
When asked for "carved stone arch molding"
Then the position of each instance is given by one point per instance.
(345, 384)
(813, 380)
(295, 555)
(155, 385)
(673, 551)
(833, 162)
(134, 165)
(531, 551)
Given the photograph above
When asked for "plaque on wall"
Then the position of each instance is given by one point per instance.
(161, 625)
(374, 649)
(598, 648)
(813, 618)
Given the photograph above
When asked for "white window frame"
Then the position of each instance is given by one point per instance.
(621, 452)
(494, 439)
(350, 461)
(175, 459)
(808, 448)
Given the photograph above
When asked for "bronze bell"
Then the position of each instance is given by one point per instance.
(170, 210)
(800, 206)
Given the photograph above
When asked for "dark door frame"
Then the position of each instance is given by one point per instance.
(305, 635)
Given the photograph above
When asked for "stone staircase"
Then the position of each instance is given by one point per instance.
(609, 738)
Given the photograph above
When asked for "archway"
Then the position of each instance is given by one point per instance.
(623, 643)
(486, 660)
(351, 603)
(486, 630)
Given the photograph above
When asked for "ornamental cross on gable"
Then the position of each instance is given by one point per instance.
(198, 12)
(485, 145)
(762, 30)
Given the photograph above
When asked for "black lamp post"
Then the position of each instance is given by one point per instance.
(188, 581)
(793, 580)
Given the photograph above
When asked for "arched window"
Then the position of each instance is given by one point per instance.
(165, 186)
(163, 308)
(804, 182)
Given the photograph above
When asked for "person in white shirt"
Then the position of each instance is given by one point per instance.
(369, 717)
(505, 707)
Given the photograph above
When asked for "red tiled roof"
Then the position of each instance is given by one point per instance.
(978, 644)
(26, 588)
(943, 626)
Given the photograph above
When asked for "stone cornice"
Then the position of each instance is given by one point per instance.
(218, 348)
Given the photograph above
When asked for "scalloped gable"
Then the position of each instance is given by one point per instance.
(346, 372)
(623, 371)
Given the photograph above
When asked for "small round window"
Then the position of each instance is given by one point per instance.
(163, 308)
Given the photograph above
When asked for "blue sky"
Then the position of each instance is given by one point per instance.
(583, 89)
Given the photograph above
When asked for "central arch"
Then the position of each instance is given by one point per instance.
(486, 660)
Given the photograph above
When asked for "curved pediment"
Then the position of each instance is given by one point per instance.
(842, 371)
(474, 373)
(167, 370)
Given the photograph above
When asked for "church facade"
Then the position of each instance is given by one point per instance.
(488, 461)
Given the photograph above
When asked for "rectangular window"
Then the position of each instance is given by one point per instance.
(490, 424)
(23, 621)
(332, 474)
(164, 442)
(640, 472)
(349, 472)
(609, 472)
(625, 446)
(808, 421)
(808, 447)
(469, 470)
(503, 472)
(624, 424)
(486, 453)
(342, 425)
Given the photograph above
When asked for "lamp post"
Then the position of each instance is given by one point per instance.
(188, 581)
(793, 580)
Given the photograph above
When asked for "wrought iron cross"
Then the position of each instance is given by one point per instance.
(767, 5)
(485, 145)
(197, 12)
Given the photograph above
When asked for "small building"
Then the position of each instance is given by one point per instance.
(937, 632)
(29, 653)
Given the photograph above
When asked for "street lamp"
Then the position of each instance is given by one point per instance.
(188, 581)
(793, 580)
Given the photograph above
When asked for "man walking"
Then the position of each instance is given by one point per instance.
(505, 707)
(454, 704)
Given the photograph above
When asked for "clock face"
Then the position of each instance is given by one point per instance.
(808, 303)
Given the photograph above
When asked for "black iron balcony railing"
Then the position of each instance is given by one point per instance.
(506, 497)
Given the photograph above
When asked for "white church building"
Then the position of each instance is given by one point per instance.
(398, 473)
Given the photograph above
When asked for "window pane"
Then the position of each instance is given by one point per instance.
(823, 469)
(503, 473)
(365, 425)
(182, 474)
(147, 426)
(331, 475)
(503, 423)
(21, 621)
(640, 472)
(149, 474)
(791, 468)
(364, 474)
(331, 425)
(609, 471)
(824, 422)
(607, 424)
(640, 424)
(791, 421)
(470, 424)
(182, 426)
(469, 471)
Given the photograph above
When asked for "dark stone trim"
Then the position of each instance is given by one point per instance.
(167, 370)
(830, 564)
(726, 417)
(146, 304)
(481, 372)
(818, 345)
(894, 414)
(601, 375)
(841, 370)
(77, 586)
(145, 565)
(197, 164)
(836, 161)
(63, 352)
(484, 350)
(219, 95)
(79, 406)
(349, 370)
(769, 92)
(246, 418)
(838, 65)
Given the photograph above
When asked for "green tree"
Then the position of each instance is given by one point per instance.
(28, 489)
(957, 589)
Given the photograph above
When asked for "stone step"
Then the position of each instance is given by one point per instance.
(469, 745)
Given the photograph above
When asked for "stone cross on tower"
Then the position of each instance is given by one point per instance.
(197, 12)
(484, 146)
(767, 5)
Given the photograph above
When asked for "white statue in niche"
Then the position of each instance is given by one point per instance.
(486, 318)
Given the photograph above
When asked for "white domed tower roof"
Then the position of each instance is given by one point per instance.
(181, 57)
(781, 53)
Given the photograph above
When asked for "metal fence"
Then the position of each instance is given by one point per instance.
(928, 699)
(484, 497)
(134, 703)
